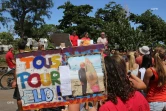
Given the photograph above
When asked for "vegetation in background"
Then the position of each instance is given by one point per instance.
(28, 17)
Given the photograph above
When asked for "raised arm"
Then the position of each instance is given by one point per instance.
(137, 82)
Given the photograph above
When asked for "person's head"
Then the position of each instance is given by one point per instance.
(102, 34)
(116, 52)
(11, 48)
(131, 59)
(159, 57)
(107, 52)
(157, 49)
(112, 51)
(146, 61)
(136, 54)
(21, 46)
(117, 83)
(144, 50)
(82, 65)
(40, 47)
(86, 34)
(74, 33)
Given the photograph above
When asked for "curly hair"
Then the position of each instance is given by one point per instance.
(117, 83)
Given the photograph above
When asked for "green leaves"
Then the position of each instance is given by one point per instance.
(6, 38)
(29, 13)
(116, 22)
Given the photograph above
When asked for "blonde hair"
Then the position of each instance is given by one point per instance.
(131, 60)
(158, 59)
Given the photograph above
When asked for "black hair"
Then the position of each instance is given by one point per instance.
(146, 61)
(21, 45)
(74, 32)
(85, 33)
(117, 83)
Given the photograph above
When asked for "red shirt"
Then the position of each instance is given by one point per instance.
(109, 106)
(135, 103)
(74, 39)
(155, 93)
(9, 58)
(139, 60)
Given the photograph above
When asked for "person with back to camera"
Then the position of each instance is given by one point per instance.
(132, 66)
(121, 93)
(16, 95)
(145, 50)
(155, 79)
(146, 63)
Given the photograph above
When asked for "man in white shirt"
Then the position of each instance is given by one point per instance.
(102, 39)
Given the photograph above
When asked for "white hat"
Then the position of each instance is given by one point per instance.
(10, 46)
(144, 50)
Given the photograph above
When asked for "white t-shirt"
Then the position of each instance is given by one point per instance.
(142, 70)
(102, 41)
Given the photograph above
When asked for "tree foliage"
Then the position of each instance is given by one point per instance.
(77, 18)
(151, 25)
(29, 13)
(6, 38)
(44, 31)
(114, 20)
(3, 18)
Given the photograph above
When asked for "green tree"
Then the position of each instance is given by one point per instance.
(28, 12)
(77, 18)
(151, 25)
(117, 26)
(44, 31)
(3, 8)
(6, 38)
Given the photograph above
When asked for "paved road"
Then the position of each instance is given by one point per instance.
(7, 103)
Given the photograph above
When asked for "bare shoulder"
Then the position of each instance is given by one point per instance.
(149, 72)
(136, 66)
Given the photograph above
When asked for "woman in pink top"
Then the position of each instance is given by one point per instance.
(121, 94)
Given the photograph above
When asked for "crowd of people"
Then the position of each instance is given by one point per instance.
(134, 80)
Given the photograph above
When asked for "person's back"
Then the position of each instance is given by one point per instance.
(137, 103)
(131, 65)
(110, 106)
(142, 73)
(16, 95)
(119, 89)
(135, 69)
(156, 93)
(155, 80)
(146, 63)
